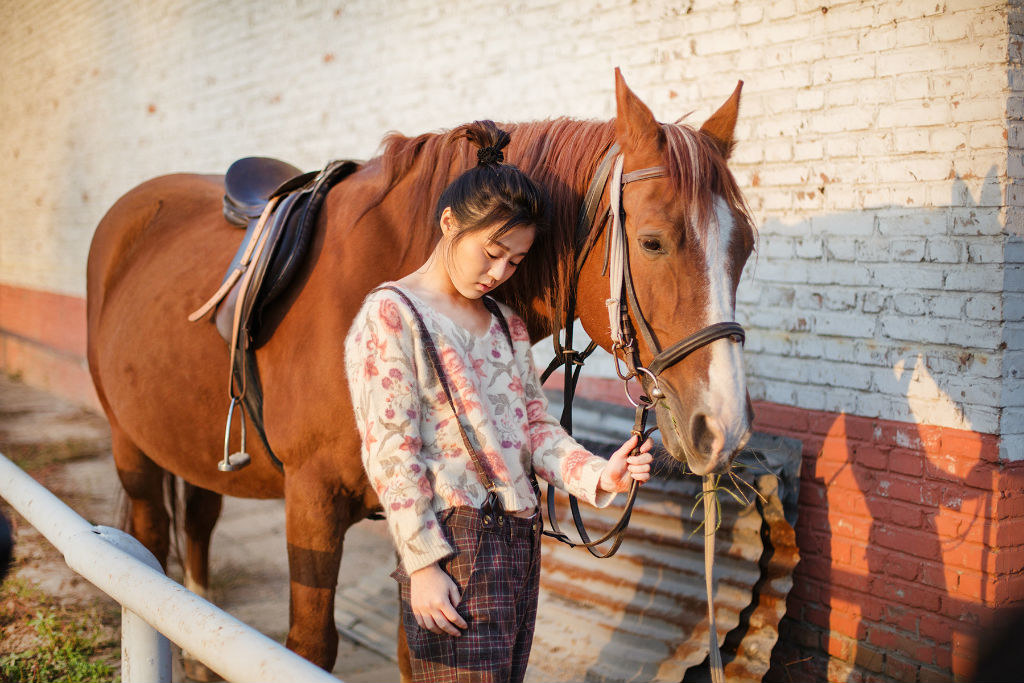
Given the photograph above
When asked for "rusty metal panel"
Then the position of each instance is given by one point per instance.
(642, 614)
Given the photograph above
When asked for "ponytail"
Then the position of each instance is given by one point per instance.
(492, 193)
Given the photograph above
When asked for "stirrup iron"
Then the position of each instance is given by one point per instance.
(240, 458)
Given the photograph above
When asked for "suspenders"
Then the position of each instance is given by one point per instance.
(493, 506)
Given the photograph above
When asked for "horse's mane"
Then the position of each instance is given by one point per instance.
(561, 155)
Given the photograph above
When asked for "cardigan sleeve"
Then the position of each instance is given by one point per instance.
(557, 457)
(380, 365)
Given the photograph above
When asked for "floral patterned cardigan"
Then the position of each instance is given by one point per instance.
(411, 446)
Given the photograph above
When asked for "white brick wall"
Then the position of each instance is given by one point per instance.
(877, 143)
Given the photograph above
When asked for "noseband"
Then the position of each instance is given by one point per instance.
(623, 335)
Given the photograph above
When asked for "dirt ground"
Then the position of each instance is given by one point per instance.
(68, 450)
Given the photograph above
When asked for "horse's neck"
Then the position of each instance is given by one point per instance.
(561, 155)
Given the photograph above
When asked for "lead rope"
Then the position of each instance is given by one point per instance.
(710, 524)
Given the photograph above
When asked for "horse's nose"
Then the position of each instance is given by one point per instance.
(708, 439)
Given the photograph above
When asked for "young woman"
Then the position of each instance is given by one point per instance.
(454, 426)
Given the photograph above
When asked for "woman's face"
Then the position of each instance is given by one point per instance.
(478, 263)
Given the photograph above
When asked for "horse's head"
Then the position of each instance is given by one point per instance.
(689, 235)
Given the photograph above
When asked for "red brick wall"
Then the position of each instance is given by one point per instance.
(910, 537)
(42, 341)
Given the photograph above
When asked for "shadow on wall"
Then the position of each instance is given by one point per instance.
(898, 537)
(903, 556)
(835, 302)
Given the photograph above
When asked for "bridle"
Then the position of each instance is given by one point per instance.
(623, 335)
(626, 353)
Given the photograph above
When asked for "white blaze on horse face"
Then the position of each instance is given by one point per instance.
(726, 398)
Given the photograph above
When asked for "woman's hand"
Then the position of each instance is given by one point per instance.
(433, 597)
(623, 468)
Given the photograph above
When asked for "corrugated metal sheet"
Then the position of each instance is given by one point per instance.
(642, 614)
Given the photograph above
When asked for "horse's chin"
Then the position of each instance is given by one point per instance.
(700, 465)
(680, 448)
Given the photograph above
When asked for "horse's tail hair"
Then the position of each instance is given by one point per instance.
(174, 501)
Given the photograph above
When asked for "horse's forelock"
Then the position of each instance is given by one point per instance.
(697, 168)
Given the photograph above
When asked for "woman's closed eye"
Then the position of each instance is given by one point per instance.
(495, 257)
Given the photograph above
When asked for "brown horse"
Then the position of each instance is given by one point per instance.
(162, 248)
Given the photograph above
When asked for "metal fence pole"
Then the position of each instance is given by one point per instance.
(230, 647)
(145, 652)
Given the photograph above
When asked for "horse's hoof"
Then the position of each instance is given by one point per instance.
(197, 671)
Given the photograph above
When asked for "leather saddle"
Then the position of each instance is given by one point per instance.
(278, 206)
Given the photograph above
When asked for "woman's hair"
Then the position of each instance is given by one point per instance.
(492, 194)
(497, 196)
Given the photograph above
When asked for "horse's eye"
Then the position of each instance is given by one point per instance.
(651, 244)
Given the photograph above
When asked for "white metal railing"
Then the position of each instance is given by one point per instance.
(151, 603)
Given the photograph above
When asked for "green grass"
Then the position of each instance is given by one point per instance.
(66, 652)
(53, 644)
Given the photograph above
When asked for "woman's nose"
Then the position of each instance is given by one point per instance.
(498, 270)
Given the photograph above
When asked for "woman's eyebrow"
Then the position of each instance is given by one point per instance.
(506, 249)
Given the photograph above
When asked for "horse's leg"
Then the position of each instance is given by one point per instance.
(143, 483)
(317, 514)
(202, 508)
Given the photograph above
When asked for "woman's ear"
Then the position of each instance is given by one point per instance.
(447, 221)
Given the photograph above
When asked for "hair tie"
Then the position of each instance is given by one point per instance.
(487, 156)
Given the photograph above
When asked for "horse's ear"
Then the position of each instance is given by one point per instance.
(722, 124)
(635, 127)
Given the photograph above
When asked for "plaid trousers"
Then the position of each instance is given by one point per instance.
(497, 569)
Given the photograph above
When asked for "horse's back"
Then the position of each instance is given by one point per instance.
(151, 204)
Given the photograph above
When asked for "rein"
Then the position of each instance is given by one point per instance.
(626, 352)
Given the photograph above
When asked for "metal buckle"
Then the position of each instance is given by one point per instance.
(656, 394)
(616, 347)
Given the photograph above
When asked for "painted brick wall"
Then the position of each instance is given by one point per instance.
(880, 148)
(873, 148)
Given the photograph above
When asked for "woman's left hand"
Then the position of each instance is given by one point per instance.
(623, 468)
